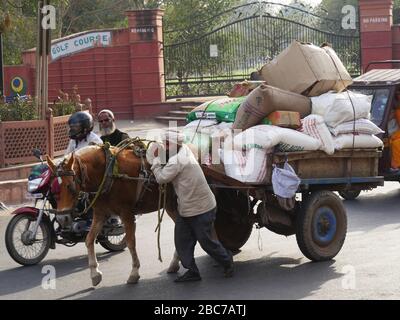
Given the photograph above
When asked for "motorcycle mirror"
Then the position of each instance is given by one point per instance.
(37, 153)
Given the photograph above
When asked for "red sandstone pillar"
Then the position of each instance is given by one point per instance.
(396, 44)
(376, 19)
(147, 61)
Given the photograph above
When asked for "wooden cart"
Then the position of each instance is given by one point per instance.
(317, 216)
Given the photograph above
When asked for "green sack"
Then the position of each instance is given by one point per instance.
(223, 110)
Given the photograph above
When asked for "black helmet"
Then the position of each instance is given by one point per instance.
(80, 124)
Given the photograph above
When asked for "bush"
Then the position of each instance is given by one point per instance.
(20, 109)
(63, 108)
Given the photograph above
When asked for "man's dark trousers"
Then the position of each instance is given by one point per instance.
(189, 230)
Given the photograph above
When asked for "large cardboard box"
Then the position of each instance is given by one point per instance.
(307, 69)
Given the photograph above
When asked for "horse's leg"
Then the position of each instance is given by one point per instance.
(97, 224)
(130, 227)
(174, 264)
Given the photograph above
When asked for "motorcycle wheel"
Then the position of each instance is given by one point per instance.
(19, 247)
(114, 243)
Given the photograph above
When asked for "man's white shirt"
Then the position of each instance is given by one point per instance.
(90, 138)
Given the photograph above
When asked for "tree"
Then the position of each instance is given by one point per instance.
(396, 12)
(72, 16)
(21, 33)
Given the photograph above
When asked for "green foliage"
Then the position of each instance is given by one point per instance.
(18, 110)
(396, 12)
(63, 108)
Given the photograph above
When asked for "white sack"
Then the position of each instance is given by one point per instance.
(314, 126)
(267, 137)
(337, 108)
(261, 137)
(362, 126)
(320, 104)
(362, 141)
(247, 167)
(292, 140)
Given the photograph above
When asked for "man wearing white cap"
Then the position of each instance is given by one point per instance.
(196, 205)
(108, 130)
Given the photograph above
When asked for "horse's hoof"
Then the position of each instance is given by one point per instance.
(173, 269)
(133, 279)
(97, 279)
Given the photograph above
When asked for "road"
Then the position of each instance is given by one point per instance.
(269, 267)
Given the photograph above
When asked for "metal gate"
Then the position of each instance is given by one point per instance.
(209, 57)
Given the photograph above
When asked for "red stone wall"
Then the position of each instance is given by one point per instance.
(376, 31)
(126, 77)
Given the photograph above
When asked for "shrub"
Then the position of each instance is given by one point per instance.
(20, 109)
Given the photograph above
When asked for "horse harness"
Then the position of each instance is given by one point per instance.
(145, 178)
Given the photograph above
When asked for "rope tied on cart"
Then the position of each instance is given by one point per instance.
(354, 117)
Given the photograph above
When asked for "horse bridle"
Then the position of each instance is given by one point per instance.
(80, 180)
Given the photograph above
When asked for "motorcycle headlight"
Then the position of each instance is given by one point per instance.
(33, 185)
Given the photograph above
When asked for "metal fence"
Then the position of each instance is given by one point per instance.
(207, 62)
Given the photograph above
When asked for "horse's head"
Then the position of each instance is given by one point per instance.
(69, 184)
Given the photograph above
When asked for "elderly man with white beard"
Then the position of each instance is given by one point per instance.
(108, 130)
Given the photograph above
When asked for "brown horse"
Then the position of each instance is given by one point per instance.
(84, 171)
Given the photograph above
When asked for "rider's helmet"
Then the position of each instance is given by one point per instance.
(80, 124)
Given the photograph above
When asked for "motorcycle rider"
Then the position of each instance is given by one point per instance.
(80, 131)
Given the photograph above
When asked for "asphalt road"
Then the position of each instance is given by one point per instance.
(269, 267)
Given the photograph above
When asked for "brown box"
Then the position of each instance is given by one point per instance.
(307, 69)
(286, 119)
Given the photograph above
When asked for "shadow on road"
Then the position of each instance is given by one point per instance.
(257, 279)
(369, 212)
(31, 276)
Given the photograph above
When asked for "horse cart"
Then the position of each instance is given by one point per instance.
(316, 215)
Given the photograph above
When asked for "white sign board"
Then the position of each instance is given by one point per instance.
(83, 42)
(213, 50)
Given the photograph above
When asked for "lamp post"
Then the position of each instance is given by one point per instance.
(4, 25)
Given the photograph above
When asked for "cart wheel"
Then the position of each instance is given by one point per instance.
(321, 226)
(232, 224)
(350, 194)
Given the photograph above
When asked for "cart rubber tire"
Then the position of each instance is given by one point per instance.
(232, 232)
(10, 244)
(321, 226)
(350, 194)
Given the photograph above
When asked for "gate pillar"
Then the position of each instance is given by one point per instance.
(146, 61)
(376, 20)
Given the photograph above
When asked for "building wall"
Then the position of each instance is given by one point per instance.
(127, 76)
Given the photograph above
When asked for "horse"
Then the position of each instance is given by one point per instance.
(84, 171)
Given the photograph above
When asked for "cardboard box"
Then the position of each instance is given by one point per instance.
(307, 69)
(285, 119)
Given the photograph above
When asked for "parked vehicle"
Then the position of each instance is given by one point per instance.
(383, 85)
(34, 230)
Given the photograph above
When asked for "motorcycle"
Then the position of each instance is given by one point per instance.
(34, 230)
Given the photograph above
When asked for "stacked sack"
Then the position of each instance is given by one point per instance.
(346, 115)
(301, 106)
